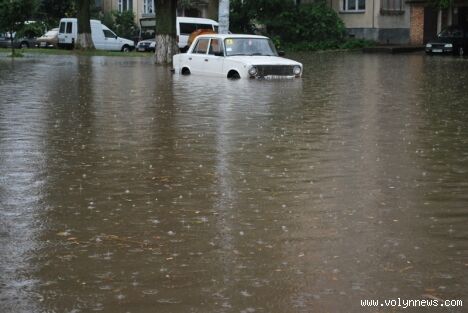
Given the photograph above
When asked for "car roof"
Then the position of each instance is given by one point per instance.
(224, 36)
(183, 19)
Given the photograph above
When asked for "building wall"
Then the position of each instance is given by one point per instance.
(388, 27)
(207, 8)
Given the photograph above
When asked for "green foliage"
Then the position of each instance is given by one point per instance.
(348, 44)
(51, 11)
(441, 4)
(124, 24)
(16, 54)
(31, 30)
(13, 13)
(305, 27)
(108, 20)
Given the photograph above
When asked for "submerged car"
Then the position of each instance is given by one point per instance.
(146, 45)
(49, 39)
(452, 40)
(235, 56)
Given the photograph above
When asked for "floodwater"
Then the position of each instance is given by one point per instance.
(124, 188)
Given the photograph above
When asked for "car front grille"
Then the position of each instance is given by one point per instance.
(438, 45)
(277, 70)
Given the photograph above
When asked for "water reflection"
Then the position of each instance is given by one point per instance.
(132, 190)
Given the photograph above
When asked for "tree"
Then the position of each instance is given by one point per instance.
(53, 10)
(124, 24)
(13, 14)
(84, 40)
(166, 34)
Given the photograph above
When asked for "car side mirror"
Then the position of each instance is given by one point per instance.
(281, 53)
(219, 54)
(116, 37)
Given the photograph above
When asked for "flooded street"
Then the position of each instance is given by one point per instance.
(124, 188)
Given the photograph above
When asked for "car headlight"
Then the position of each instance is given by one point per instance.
(428, 45)
(253, 71)
(448, 45)
(297, 70)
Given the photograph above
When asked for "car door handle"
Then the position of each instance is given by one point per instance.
(190, 59)
(206, 60)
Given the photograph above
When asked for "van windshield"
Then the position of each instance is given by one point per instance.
(249, 46)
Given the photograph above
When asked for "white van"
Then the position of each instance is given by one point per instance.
(185, 26)
(103, 37)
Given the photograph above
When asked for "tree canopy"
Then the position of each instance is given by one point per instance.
(13, 13)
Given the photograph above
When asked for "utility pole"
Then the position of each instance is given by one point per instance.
(223, 19)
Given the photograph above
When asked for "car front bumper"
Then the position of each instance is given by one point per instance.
(439, 50)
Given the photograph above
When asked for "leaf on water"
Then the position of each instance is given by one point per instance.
(429, 296)
(405, 269)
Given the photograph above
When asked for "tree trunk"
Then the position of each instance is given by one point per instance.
(213, 7)
(223, 17)
(12, 42)
(84, 40)
(166, 34)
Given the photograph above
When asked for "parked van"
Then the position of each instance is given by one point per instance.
(185, 26)
(103, 37)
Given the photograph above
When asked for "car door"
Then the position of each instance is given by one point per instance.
(214, 60)
(197, 57)
(111, 40)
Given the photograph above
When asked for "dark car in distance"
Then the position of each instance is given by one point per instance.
(23, 42)
(452, 40)
(146, 45)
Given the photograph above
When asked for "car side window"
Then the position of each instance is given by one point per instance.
(202, 46)
(108, 33)
(62, 28)
(215, 47)
(69, 27)
(457, 33)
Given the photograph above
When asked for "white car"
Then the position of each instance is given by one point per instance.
(235, 56)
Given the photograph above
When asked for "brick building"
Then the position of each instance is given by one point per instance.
(398, 21)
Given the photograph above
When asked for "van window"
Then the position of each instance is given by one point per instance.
(62, 27)
(202, 46)
(187, 28)
(69, 27)
(204, 26)
(108, 33)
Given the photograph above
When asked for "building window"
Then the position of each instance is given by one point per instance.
(148, 6)
(392, 7)
(125, 5)
(354, 5)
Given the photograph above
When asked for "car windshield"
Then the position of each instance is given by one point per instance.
(249, 46)
(451, 32)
